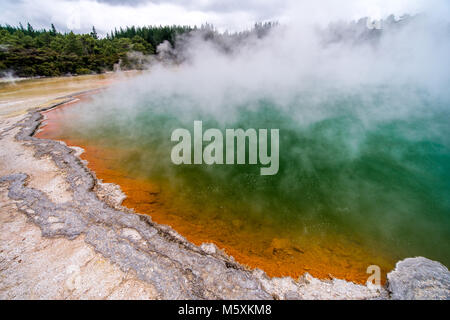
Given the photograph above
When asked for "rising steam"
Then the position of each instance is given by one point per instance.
(362, 108)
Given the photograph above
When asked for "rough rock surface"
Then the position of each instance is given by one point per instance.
(89, 246)
(36, 267)
(419, 279)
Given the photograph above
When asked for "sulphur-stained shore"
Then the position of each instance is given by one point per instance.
(65, 235)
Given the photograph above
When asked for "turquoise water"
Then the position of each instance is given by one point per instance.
(371, 165)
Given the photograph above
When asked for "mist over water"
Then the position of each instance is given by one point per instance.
(364, 134)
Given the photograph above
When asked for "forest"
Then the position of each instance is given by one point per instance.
(26, 52)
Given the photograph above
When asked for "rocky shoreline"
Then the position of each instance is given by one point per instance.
(161, 258)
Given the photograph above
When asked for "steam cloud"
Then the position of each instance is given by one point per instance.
(301, 58)
(386, 91)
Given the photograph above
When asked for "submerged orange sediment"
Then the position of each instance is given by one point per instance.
(287, 253)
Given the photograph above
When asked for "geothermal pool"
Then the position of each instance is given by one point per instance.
(364, 179)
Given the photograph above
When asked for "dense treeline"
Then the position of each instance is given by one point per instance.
(29, 52)
(152, 35)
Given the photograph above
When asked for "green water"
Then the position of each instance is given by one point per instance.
(371, 164)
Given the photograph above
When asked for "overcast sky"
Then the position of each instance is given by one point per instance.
(80, 15)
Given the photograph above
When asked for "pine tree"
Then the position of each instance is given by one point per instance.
(53, 31)
(30, 29)
(94, 33)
